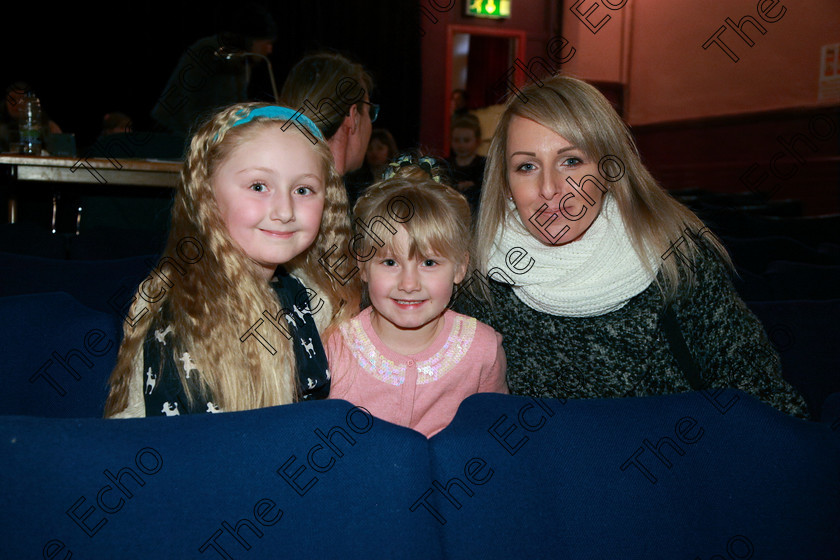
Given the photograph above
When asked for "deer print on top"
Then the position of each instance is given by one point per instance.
(170, 409)
(169, 365)
(160, 335)
(301, 312)
(310, 350)
(151, 380)
(188, 364)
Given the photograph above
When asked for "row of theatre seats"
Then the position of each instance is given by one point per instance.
(705, 474)
(788, 273)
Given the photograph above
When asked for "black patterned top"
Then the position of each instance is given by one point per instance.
(162, 389)
(625, 353)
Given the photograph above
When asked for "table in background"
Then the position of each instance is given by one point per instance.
(73, 175)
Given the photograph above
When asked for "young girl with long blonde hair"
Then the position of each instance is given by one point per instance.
(235, 329)
(407, 358)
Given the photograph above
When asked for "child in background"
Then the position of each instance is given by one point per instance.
(467, 167)
(382, 148)
(407, 358)
(233, 329)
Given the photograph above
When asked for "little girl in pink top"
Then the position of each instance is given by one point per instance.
(407, 358)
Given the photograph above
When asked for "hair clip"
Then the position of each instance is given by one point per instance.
(426, 163)
(402, 161)
(429, 164)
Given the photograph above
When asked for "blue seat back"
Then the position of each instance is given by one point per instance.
(309, 480)
(59, 358)
(806, 336)
(793, 280)
(677, 476)
(104, 285)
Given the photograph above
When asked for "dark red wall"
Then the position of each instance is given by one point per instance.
(792, 154)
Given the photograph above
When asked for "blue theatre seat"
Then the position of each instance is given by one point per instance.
(793, 280)
(25, 238)
(59, 356)
(806, 335)
(115, 243)
(755, 254)
(811, 230)
(310, 480)
(679, 476)
(676, 476)
(93, 283)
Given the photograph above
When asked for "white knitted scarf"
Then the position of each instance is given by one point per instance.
(594, 275)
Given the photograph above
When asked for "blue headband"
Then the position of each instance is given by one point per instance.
(279, 113)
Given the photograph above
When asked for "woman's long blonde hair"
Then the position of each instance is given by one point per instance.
(578, 112)
(221, 296)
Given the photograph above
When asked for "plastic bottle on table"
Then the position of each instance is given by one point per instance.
(29, 124)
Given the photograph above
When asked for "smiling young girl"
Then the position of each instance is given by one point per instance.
(235, 330)
(407, 358)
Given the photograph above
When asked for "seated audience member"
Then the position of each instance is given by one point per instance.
(602, 284)
(203, 82)
(467, 167)
(344, 112)
(382, 148)
(10, 114)
(116, 123)
(259, 206)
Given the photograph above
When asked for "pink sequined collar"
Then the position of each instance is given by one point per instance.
(389, 366)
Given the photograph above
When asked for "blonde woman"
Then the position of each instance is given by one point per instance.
(234, 327)
(601, 283)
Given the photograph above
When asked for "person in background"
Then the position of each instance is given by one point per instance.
(459, 102)
(116, 123)
(203, 82)
(382, 148)
(338, 94)
(466, 166)
(10, 114)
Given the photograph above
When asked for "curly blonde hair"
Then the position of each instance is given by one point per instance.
(216, 299)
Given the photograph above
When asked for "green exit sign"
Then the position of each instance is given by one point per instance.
(488, 8)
